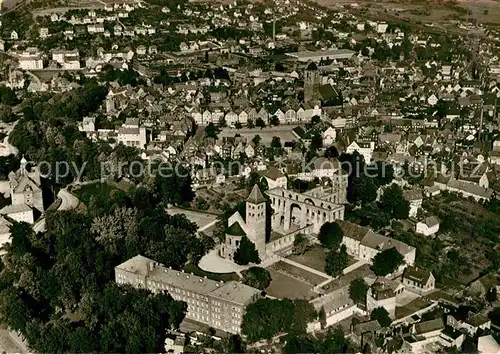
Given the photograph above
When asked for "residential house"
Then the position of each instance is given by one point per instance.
(468, 322)
(418, 280)
(383, 293)
(274, 178)
(30, 59)
(428, 227)
(26, 195)
(329, 136)
(415, 199)
(363, 148)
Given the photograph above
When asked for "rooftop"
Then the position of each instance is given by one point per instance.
(232, 291)
(256, 196)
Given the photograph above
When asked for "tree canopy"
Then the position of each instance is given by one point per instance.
(330, 235)
(357, 290)
(382, 316)
(257, 277)
(266, 318)
(336, 261)
(57, 288)
(387, 261)
(246, 252)
(393, 202)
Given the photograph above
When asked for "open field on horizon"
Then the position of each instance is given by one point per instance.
(487, 11)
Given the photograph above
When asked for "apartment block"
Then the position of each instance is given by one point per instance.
(217, 304)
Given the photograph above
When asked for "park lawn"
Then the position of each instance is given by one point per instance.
(284, 286)
(300, 273)
(314, 258)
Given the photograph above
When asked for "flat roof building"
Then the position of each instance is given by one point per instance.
(217, 304)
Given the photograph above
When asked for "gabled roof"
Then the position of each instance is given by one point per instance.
(429, 326)
(417, 275)
(256, 196)
(235, 230)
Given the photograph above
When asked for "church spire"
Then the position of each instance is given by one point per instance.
(256, 196)
(24, 164)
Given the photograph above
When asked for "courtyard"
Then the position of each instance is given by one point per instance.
(284, 286)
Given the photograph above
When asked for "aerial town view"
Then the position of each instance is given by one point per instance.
(250, 176)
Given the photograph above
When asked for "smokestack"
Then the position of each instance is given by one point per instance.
(274, 29)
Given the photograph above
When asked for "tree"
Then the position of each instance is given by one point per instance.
(266, 318)
(336, 261)
(260, 123)
(357, 290)
(250, 124)
(387, 261)
(202, 204)
(315, 120)
(331, 152)
(274, 121)
(330, 235)
(6, 114)
(211, 131)
(238, 125)
(256, 139)
(322, 317)
(364, 189)
(316, 141)
(393, 202)
(382, 316)
(301, 244)
(276, 142)
(257, 277)
(491, 295)
(246, 252)
(298, 345)
(175, 185)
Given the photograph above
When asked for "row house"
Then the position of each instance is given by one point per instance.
(285, 116)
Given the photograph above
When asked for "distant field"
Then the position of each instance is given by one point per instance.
(425, 11)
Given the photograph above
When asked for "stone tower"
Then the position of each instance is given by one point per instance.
(311, 83)
(256, 220)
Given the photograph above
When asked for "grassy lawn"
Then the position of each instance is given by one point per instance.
(284, 286)
(191, 268)
(299, 273)
(314, 258)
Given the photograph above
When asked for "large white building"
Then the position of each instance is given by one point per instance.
(132, 133)
(30, 59)
(68, 59)
(217, 304)
(363, 148)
